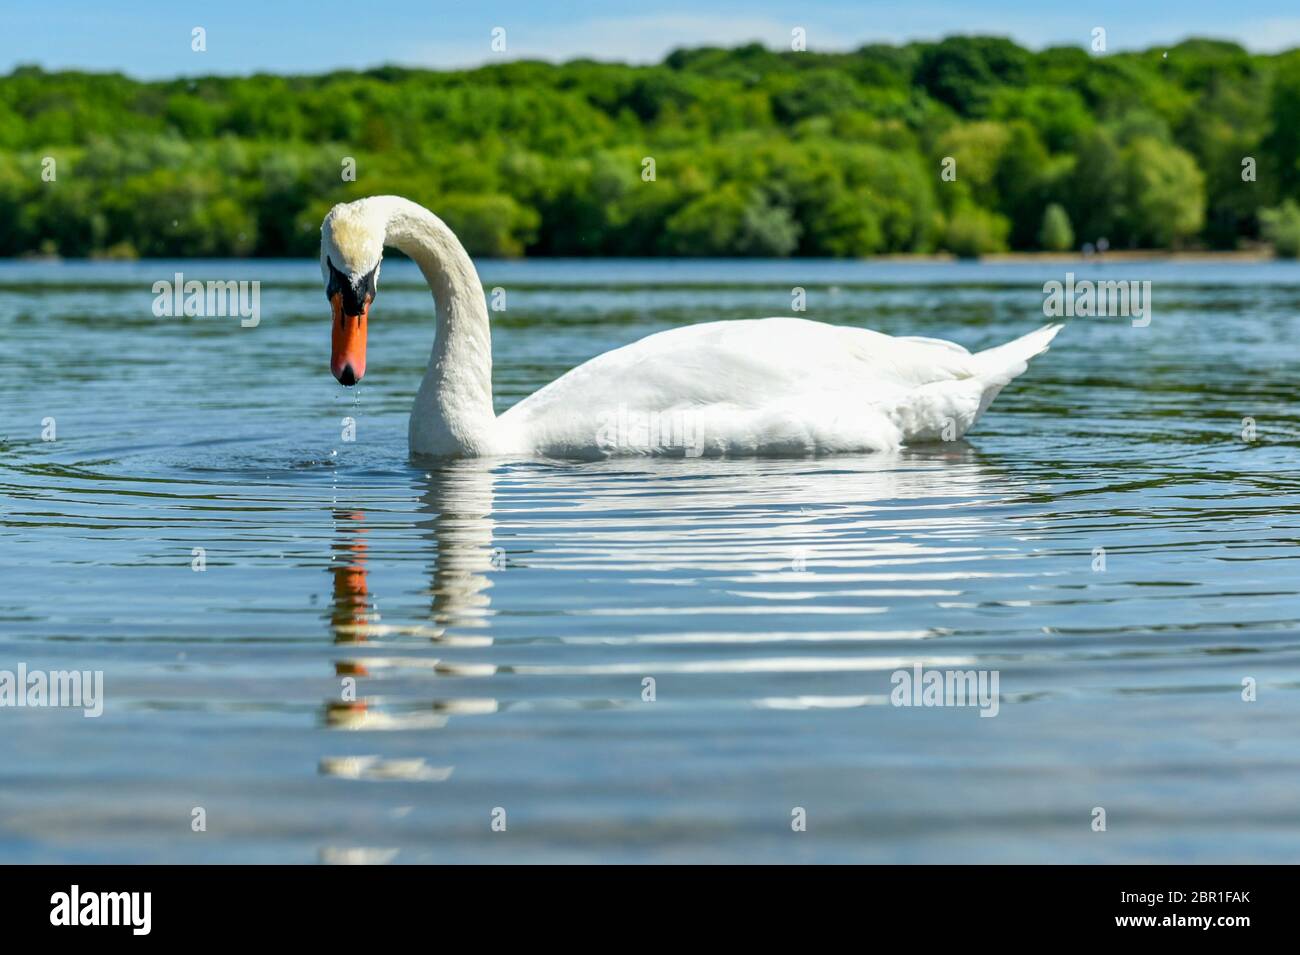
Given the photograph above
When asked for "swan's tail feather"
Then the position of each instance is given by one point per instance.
(995, 367)
(1000, 364)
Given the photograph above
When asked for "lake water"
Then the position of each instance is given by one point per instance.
(1105, 542)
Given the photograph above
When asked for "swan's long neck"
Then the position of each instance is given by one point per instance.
(453, 413)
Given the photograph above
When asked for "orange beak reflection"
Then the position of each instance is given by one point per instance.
(348, 358)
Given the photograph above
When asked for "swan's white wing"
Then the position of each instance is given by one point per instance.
(776, 385)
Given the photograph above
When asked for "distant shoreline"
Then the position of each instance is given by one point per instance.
(1140, 255)
(1262, 254)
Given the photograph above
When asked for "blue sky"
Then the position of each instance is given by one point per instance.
(151, 38)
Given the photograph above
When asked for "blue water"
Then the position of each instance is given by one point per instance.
(1105, 542)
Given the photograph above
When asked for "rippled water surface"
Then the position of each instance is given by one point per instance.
(1106, 542)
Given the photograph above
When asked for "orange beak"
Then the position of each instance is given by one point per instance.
(348, 358)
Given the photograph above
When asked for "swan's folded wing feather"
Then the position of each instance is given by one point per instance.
(934, 343)
(787, 381)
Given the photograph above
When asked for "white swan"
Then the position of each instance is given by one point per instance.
(770, 386)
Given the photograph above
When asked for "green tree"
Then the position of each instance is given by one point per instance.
(962, 72)
(1281, 226)
(972, 231)
(732, 221)
(1095, 186)
(1056, 234)
(1165, 194)
(1283, 138)
(491, 225)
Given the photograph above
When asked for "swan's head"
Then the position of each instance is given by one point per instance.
(351, 249)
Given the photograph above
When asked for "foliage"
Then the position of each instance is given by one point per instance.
(1056, 235)
(973, 231)
(756, 153)
(1281, 226)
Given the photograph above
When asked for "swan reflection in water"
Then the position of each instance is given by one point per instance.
(457, 500)
(352, 615)
(872, 538)
(885, 537)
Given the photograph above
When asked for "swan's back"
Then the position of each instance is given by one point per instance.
(765, 386)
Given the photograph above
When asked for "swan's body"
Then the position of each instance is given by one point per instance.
(756, 387)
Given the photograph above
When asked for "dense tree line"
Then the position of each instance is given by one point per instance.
(968, 145)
